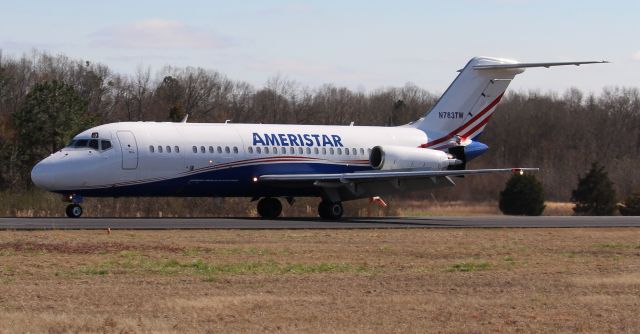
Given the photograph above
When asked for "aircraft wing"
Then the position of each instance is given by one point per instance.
(345, 186)
(381, 175)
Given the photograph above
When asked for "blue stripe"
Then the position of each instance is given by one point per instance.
(230, 182)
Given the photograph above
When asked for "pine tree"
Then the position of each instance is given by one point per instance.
(53, 112)
(523, 195)
(595, 195)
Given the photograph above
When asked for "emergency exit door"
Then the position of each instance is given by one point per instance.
(129, 149)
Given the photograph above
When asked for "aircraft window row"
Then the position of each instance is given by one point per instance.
(218, 149)
(300, 150)
(96, 144)
(167, 149)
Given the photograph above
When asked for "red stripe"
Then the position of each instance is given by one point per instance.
(456, 131)
(478, 126)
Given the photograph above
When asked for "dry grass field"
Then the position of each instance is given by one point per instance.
(39, 203)
(444, 281)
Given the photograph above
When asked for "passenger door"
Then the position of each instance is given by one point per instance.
(129, 148)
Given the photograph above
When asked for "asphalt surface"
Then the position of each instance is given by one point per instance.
(311, 223)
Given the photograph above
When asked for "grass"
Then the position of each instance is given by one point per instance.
(391, 281)
(143, 265)
(38, 203)
(617, 245)
(469, 266)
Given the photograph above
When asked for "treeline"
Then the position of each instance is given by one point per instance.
(560, 133)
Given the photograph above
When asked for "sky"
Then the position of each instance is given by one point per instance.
(363, 45)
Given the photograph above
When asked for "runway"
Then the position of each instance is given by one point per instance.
(313, 223)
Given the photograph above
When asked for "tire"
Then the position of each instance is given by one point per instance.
(74, 211)
(330, 211)
(269, 208)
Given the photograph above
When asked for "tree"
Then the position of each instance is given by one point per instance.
(631, 205)
(52, 113)
(595, 194)
(523, 195)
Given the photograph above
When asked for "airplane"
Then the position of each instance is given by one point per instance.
(270, 161)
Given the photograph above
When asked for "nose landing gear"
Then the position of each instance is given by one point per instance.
(74, 210)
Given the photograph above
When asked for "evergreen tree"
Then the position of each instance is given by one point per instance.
(523, 195)
(53, 112)
(595, 195)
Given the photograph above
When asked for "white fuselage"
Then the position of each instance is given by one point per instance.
(210, 159)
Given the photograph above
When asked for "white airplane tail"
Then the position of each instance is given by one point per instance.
(465, 108)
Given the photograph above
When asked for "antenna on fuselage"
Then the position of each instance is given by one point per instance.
(184, 119)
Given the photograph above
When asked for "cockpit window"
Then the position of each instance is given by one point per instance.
(106, 144)
(81, 143)
(71, 143)
(93, 143)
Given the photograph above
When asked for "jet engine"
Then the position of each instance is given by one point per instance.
(399, 157)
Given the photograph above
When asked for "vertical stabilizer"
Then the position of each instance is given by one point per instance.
(465, 108)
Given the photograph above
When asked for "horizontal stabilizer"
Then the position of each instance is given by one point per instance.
(526, 65)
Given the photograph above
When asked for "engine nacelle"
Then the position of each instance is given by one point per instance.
(400, 157)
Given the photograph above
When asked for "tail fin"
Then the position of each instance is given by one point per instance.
(465, 108)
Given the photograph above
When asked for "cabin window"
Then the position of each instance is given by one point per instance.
(308, 150)
(361, 151)
(106, 144)
(250, 149)
(219, 149)
(151, 148)
(354, 151)
(227, 149)
(210, 149)
(324, 150)
(300, 151)
(258, 150)
(159, 149)
(339, 151)
(195, 149)
(266, 150)
(331, 150)
(168, 149)
(346, 151)
(177, 149)
(316, 151)
(202, 149)
(275, 150)
(292, 150)
(369, 151)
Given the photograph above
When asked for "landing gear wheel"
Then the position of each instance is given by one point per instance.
(269, 208)
(332, 211)
(74, 211)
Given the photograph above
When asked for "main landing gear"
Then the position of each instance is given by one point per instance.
(330, 210)
(269, 208)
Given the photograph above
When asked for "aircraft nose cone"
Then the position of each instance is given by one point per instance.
(41, 176)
